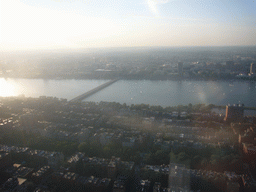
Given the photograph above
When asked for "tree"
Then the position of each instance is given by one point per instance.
(182, 156)
(204, 163)
(196, 161)
(173, 158)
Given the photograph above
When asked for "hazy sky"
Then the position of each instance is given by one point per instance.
(26, 24)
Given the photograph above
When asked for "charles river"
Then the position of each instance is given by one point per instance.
(164, 93)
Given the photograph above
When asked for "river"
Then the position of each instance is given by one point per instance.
(164, 93)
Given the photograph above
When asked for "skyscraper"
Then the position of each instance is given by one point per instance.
(253, 69)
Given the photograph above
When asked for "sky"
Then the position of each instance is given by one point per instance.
(75, 24)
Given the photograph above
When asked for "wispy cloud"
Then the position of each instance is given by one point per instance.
(153, 6)
(190, 19)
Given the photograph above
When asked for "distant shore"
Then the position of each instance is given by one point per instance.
(125, 78)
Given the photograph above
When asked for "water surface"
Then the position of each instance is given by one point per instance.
(164, 93)
(172, 93)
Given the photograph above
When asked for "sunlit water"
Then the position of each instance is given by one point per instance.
(164, 93)
(37, 87)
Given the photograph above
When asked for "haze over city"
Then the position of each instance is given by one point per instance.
(54, 24)
(128, 96)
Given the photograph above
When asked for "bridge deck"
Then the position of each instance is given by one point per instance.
(93, 91)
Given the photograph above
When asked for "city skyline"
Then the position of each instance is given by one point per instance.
(75, 24)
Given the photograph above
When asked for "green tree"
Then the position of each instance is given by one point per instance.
(196, 161)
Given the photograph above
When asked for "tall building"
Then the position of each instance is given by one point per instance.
(253, 70)
(180, 68)
(179, 177)
(234, 112)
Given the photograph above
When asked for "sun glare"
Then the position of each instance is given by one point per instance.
(6, 88)
(29, 26)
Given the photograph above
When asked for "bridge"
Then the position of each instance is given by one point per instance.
(93, 91)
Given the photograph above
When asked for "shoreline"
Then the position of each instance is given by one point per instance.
(131, 79)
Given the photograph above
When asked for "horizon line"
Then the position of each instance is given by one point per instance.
(127, 47)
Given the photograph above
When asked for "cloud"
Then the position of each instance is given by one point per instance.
(153, 6)
(162, 1)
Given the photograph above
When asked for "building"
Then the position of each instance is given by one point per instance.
(180, 68)
(252, 70)
(23, 172)
(144, 186)
(179, 177)
(234, 113)
(112, 166)
(120, 184)
(37, 176)
(249, 150)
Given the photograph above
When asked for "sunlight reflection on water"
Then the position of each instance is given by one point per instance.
(6, 88)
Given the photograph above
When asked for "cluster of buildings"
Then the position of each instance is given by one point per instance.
(18, 176)
(84, 123)
(111, 167)
(246, 133)
(176, 69)
(200, 70)
(181, 178)
(149, 63)
(76, 181)
(164, 169)
(39, 157)
(47, 178)
(79, 124)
